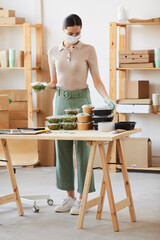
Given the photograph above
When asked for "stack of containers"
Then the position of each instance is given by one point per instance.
(67, 121)
(85, 118)
(103, 115)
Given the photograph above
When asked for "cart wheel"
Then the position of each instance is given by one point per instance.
(35, 209)
(50, 202)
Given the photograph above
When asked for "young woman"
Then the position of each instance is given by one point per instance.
(69, 64)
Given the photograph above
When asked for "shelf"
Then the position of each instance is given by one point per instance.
(138, 23)
(37, 110)
(19, 68)
(153, 168)
(122, 69)
(20, 25)
(142, 113)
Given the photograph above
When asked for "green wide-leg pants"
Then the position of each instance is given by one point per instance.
(64, 149)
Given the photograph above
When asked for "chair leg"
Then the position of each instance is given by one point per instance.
(126, 181)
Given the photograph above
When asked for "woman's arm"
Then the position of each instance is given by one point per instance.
(102, 91)
(53, 82)
(99, 85)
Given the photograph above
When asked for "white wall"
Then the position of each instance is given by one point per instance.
(96, 15)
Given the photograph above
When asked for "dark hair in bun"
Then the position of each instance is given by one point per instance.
(72, 20)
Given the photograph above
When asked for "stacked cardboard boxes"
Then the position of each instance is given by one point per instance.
(18, 108)
(136, 58)
(4, 114)
(8, 17)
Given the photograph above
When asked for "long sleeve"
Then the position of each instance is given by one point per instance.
(51, 62)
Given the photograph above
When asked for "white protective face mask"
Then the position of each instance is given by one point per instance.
(72, 39)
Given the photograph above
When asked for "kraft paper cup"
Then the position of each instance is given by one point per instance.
(155, 99)
(155, 108)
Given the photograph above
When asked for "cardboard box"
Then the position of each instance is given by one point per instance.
(4, 116)
(16, 115)
(136, 52)
(144, 101)
(136, 65)
(13, 124)
(137, 152)
(134, 108)
(4, 103)
(16, 95)
(18, 106)
(4, 125)
(137, 89)
(7, 13)
(12, 20)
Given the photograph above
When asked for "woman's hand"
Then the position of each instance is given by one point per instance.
(51, 85)
(111, 103)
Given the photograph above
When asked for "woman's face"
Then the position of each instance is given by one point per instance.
(73, 30)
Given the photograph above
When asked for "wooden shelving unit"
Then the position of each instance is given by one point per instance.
(28, 63)
(122, 75)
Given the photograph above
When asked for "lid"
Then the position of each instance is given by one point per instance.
(53, 117)
(39, 83)
(68, 116)
(103, 108)
(104, 116)
(82, 114)
(70, 123)
(72, 109)
(88, 105)
(53, 124)
(84, 123)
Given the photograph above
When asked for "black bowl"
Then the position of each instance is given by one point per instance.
(107, 118)
(125, 125)
(102, 111)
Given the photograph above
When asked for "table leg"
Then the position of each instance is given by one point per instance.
(108, 184)
(86, 185)
(126, 181)
(103, 186)
(12, 177)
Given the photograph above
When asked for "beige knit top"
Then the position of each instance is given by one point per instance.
(71, 66)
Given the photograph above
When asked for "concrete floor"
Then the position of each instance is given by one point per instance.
(50, 225)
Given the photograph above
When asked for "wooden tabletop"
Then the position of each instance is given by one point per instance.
(90, 135)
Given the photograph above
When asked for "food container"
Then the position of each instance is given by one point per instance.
(105, 118)
(69, 125)
(102, 111)
(91, 125)
(68, 118)
(83, 117)
(95, 126)
(72, 111)
(83, 126)
(39, 86)
(106, 126)
(54, 126)
(53, 119)
(125, 125)
(87, 108)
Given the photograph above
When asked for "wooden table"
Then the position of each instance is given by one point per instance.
(94, 139)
